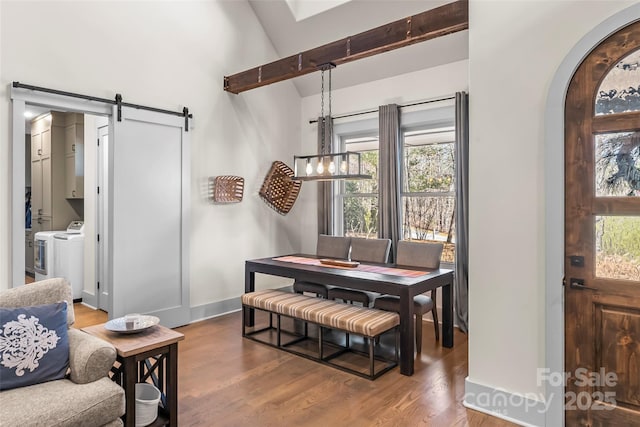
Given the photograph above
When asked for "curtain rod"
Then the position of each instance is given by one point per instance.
(342, 116)
(118, 101)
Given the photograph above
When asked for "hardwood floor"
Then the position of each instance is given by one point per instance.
(86, 316)
(225, 380)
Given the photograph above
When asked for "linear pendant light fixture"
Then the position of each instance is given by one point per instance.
(327, 165)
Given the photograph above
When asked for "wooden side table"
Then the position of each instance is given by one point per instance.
(152, 353)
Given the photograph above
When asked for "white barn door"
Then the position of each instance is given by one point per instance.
(148, 216)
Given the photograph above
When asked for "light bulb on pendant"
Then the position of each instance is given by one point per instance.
(309, 168)
(320, 168)
(343, 166)
(332, 167)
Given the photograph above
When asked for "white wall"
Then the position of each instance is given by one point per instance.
(420, 85)
(169, 55)
(515, 50)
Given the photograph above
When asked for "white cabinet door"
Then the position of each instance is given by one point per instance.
(36, 188)
(74, 161)
(36, 146)
(47, 187)
(148, 224)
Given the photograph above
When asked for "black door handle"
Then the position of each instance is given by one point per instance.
(579, 284)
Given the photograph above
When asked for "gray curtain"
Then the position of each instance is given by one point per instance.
(389, 170)
(461, 283)
(325, 199)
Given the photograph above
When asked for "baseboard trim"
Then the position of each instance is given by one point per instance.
(521, 409)
(214, 309)
(90, 300)
(220, 308)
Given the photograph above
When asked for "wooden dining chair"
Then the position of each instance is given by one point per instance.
(327, 247)
(363, 250)
(423, 255)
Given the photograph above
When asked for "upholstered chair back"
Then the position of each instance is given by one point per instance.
(333, 246)
(370, 250)
(417, 254)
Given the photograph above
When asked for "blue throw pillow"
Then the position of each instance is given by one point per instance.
(34, 346)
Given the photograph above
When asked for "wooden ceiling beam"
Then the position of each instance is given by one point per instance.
(446, 19)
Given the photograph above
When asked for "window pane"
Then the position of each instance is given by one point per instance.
(619, 92)
(618, 164)
(618, 247)
(369, 161)
(430, 219)
(428, 166)
(360, 216)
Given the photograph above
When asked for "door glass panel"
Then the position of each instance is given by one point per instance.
(619, 91)
(618, 247)
(617, 164)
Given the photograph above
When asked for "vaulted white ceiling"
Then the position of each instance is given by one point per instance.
(328, 21)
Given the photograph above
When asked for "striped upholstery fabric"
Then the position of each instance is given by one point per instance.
(362, 321)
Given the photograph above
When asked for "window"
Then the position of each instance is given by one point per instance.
(428, 187)
(357, 200)
(619, 91)
(427, 179)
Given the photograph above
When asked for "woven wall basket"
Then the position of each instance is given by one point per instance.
(279, 190)
(228, 189)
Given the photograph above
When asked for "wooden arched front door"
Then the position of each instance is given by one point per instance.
(602, 235)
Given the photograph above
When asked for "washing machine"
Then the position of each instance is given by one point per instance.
(69, 256)
(44, 255)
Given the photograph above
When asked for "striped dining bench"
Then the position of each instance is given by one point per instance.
(366, 322)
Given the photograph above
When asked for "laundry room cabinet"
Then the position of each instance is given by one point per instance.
(74, 156)
(49, 208)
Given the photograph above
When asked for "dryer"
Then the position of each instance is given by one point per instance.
(44, 256)
(69, 256)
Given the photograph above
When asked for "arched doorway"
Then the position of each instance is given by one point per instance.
(602, 235)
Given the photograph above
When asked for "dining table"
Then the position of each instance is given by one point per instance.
(391, 279)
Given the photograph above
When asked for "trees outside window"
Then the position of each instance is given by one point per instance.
(358, 199)
(428, 187)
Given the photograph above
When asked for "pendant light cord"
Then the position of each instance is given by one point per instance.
(322, 131)
(330, 118)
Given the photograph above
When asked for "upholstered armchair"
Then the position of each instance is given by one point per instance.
(84, 396)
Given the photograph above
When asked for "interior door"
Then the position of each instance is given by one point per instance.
(148, 216)
(102, 213)
(602, 235)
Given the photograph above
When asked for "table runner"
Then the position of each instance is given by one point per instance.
(380, 269)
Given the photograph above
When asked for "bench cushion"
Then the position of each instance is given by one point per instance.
(359, 320)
